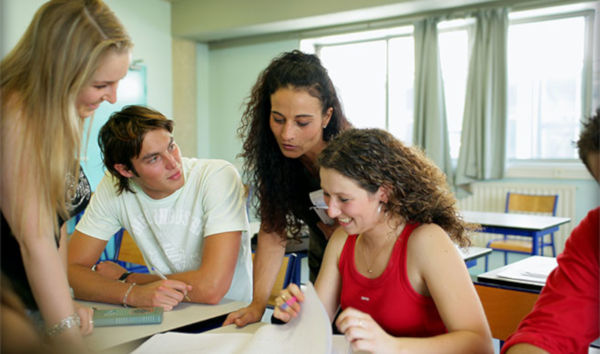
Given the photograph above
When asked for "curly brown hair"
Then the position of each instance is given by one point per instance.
(589, 139)
(279, 181)
(416, 187)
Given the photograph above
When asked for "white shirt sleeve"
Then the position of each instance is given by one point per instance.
(100, 219)
(224, 202)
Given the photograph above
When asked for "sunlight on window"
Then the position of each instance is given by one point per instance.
(545, 65)
(454, 57)
(358, 72)
(401, 88)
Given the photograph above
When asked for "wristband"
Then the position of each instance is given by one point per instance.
(124, 276)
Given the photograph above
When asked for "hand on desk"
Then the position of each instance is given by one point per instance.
(251, 314)
(165, 293)
(85, 315)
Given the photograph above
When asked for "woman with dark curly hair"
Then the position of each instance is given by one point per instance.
(399, 279)
(292, 113)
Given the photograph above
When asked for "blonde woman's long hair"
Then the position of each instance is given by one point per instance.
(42, 77)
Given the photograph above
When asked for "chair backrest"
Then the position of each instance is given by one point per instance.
(289, 272)
(129, 251)
(517, 202)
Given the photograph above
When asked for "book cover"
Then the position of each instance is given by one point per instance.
(128, 316)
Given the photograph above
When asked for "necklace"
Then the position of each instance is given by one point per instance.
(364, 254)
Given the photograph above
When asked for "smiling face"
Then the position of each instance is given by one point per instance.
(157, 170)
(297, 123)
(103, 85)
(355, 209)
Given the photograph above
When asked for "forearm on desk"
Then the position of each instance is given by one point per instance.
(91, 286)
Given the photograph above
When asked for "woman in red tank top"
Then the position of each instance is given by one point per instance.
(395, 271)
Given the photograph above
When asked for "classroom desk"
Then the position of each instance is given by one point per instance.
(506, 301)
(470, 254)
(123, 339)
(534, 226)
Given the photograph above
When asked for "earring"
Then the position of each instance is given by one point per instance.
(379, 209)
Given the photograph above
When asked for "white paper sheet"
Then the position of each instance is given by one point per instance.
(533, 269)
(309, 332)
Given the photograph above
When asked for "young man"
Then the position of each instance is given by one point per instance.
(565, 318)
(186, 215)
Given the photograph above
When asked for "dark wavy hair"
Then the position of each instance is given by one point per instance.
(417, 189)
(279, 181)
(121, 138)
(589, 139)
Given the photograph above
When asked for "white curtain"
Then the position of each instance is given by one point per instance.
(483, 141)
(430, 127)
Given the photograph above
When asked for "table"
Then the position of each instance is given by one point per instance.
(470, 254)
(123, 339)
(539, 265)
(534, 226)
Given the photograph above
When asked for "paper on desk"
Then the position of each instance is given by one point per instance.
(533, 269)
(310, 331)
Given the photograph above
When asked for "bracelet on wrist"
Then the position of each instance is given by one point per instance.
(64, 324)
(127, 294)
(123, 277)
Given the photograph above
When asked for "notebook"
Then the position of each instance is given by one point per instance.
(128, 316)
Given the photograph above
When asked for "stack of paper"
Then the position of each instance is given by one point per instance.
(534, 269)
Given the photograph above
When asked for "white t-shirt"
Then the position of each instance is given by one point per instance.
(170, 231)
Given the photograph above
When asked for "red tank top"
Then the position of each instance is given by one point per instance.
(389, 299)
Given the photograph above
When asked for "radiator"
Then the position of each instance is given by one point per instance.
(491, 196)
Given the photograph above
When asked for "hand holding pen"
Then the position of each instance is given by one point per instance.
(162, 276)
(287, 305)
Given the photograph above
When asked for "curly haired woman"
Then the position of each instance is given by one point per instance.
(396, 274)
(292, 114)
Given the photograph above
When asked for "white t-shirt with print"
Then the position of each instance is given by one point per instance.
(170, 231)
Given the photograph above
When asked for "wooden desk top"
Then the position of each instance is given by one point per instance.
(514, 221)
(109, 338)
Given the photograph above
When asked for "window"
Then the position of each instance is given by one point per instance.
(545, 81)
(549, 79)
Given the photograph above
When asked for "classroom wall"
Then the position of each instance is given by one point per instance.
(148, 23)
(230, 72)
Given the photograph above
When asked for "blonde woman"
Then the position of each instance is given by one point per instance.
(69, 60)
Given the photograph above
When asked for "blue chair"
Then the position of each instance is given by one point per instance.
(525, 203)
(112, 252)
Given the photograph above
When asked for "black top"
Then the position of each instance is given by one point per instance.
(317, 241)
(12, 263)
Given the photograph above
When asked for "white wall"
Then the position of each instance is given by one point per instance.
(148, 23)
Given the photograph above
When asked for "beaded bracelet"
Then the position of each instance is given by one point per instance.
(127, 294)
(64, 324)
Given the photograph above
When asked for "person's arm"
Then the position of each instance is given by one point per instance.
(328, 284)
(211, 281)
(83, 253)
(46, 275)
(267, 261)
(448, 282)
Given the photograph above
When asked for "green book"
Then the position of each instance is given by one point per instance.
(128, 316)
